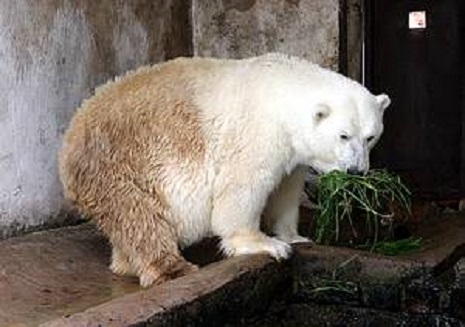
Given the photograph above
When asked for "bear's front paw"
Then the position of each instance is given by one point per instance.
(256, 243)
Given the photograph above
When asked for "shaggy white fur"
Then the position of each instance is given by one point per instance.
(169, 154)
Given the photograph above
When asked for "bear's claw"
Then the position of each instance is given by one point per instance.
(259, 243)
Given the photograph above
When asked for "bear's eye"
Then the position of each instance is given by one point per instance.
(370, 138)
(345, 137)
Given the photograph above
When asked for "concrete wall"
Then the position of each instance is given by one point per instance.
(240, 28)
(52, 54)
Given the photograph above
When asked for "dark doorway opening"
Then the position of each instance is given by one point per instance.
(414, 51)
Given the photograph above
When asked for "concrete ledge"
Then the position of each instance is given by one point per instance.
(314, 315)
(239, 285)
(338, 276)
(61, 278)
(359, 278)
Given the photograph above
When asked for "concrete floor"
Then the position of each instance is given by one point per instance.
(442, 234)
(45, 275)
(57, 273)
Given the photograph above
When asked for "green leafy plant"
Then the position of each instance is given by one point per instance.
(398, 247)
(359, 208)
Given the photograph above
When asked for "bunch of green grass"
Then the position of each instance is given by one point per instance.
(342, 199)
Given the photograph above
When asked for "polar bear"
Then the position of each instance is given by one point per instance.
(167, 155)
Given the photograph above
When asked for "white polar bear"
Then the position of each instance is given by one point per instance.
(169, 154)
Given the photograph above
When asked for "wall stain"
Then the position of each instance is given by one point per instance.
(241, 28)
(294, 3)
(168, 20)
(239, 5)
(100, 16)
(178, 39)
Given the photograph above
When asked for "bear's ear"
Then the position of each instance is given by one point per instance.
(322, 111)
(383, 100)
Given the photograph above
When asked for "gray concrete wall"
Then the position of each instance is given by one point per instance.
(52, 54)
(240, 28)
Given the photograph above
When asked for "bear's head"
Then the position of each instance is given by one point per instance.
(345, 129)
(334, 127)
(332, 122)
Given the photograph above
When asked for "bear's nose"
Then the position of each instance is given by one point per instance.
(355, 171)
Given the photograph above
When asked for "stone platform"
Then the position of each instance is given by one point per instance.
(61, 278)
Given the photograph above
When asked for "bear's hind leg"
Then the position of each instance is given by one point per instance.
(154, 255)
(120, 264)
(144, 240)
(159, 272)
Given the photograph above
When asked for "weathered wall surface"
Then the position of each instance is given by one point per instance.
(240, 28)
(52, 54)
